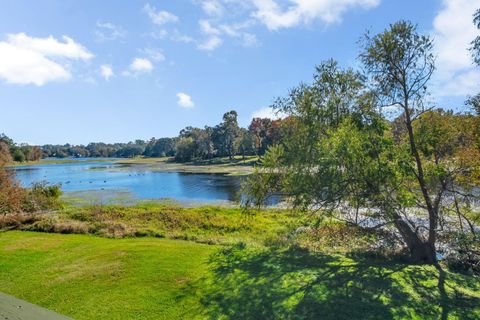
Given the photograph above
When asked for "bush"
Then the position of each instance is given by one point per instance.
(71, 227)
(464, 254)
(80, 215)
(44, 225)
(149, 233)
(19, 156)
(14, 221)
(15, 199)
(51, 225)
(11, 194)
(117, 230)
(42, 197)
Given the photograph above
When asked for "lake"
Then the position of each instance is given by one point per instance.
(109, 182)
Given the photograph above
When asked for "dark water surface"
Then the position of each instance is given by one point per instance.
(138, 181)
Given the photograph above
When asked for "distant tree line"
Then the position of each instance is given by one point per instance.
(227, 139)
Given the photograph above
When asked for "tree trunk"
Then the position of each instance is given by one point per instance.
(431, 208)
(421, 251)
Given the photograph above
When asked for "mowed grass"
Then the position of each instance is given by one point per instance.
(89, 277)
(291, 283)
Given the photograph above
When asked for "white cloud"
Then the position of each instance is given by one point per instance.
(453, 33)
(28, 60)
(294, 12)
(50, 46)
(140, 65)
(236, 18)
(184, 100)
(154, 54)
(108, 31)
(210, 44)
(269, 113)
(207, 28)
(464, 83)
(213, 40)
(106, 71)
(159, 17)
(215, 33)
(235, 30)
(212, 7)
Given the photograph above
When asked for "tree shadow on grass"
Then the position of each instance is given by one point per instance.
(292, 283)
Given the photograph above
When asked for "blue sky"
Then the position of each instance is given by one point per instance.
(117, 70)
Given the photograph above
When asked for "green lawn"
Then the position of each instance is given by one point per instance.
(89, 277)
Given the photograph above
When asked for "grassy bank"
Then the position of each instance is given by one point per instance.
(213, 225)
(56, 161)
(89, 277)
(236, 166)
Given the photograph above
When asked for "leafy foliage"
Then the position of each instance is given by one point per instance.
(344, 157)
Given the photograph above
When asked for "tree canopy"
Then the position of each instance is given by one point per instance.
(344, 158)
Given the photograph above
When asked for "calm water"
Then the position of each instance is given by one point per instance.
(136, 182)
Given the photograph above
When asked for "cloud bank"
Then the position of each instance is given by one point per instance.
(453, 32)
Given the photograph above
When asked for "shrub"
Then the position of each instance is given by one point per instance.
(42, 197)
(149, 233)
(52, 225)
(80, 215)
(14, 221)
(11, 194)
(464, 254)
(71, 227)
(44, 225)
(117, 230)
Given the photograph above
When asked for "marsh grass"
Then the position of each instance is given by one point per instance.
(208, 224)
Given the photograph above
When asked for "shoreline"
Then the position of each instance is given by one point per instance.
(235, 167)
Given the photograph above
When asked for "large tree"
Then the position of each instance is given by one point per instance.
(400, 61)
(226, 133)
(342, 155)
(259, 128)
(245, 143)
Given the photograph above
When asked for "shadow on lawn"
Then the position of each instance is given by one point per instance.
(296, 284)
